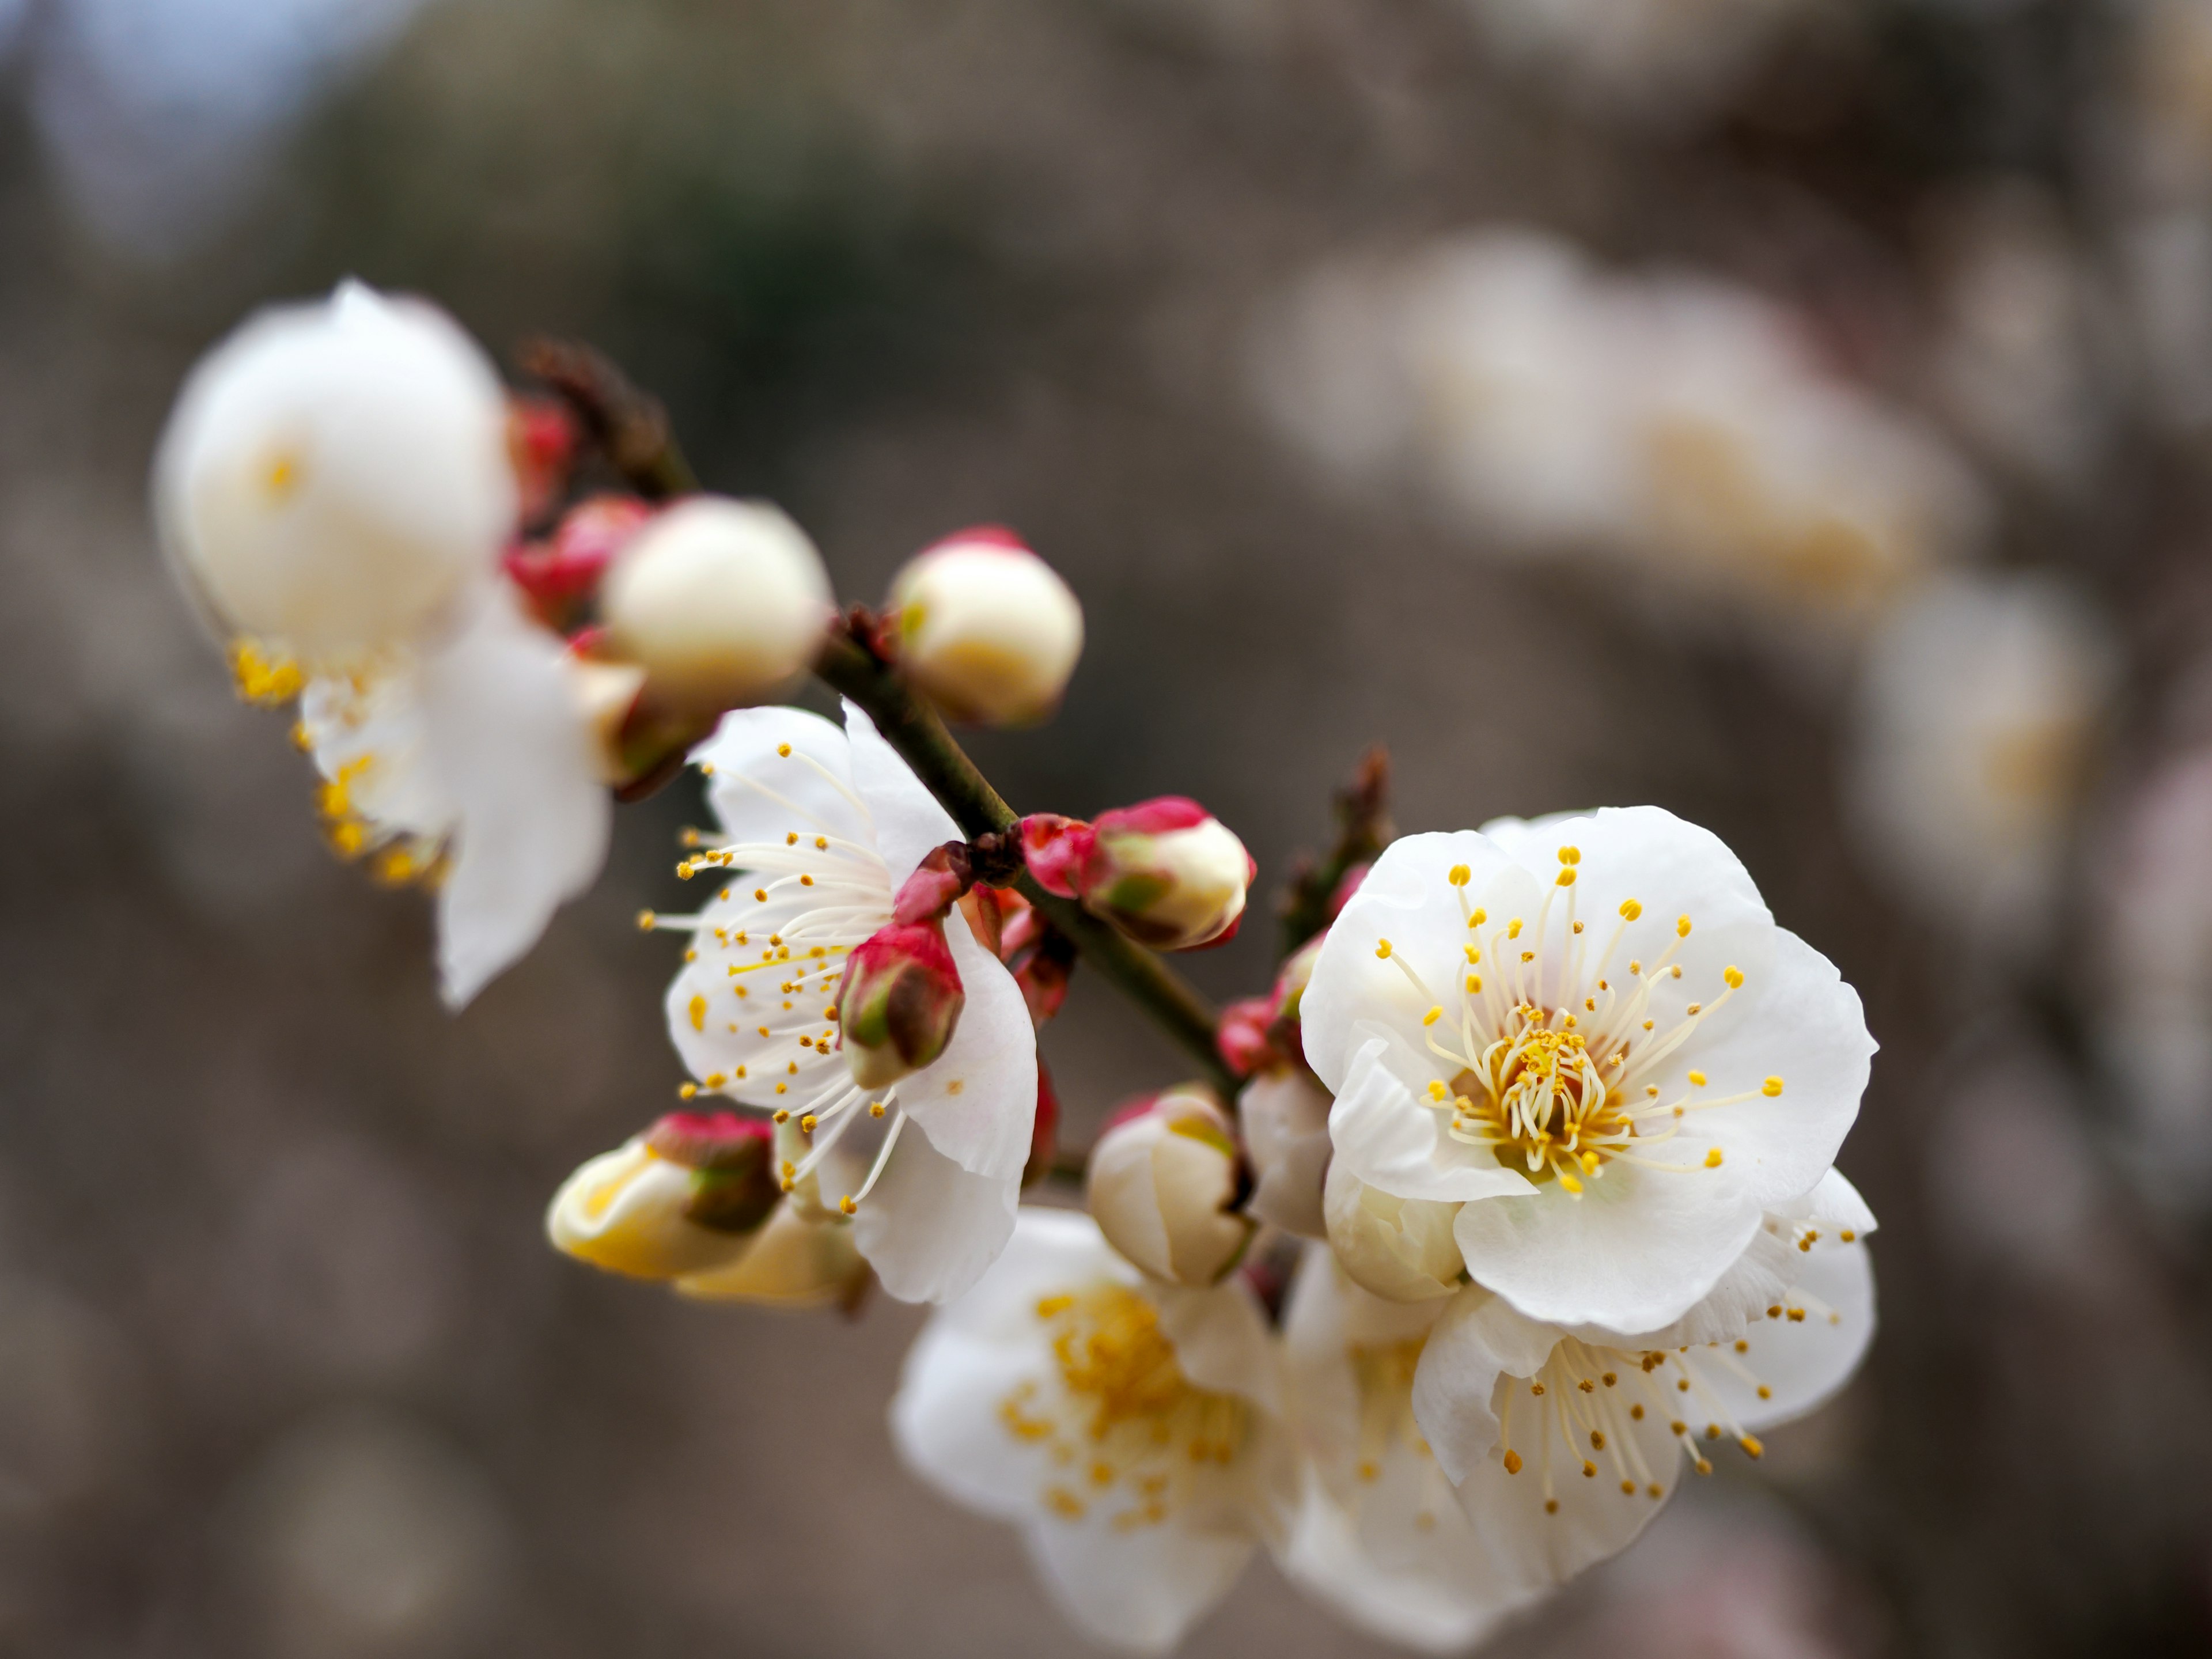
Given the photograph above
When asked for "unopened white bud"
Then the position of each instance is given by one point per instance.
(686, 1197)
(1286, 1118)
(795, 1260)
(1400, 1249)
(336, 474)
(720, 602)
(1163, 1188)
(987, 630)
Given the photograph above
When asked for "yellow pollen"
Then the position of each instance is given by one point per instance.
(686, 1090)
(645, 921)
(1512, 1461)
(1474, 982)
(1697, 1079)
(1713, 1158)
(1772, 1087)
(1479, 916)
(846, 1205)
(1571, 855)
(1460, 875)
(1383, 949)
(1433, 1015)
(1513, 929)
(1566, 878)
(1629, 909)
(1733, 976)
(698, 1012)
(784, 750)
(1681, 926)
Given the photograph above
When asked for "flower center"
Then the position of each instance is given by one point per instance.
(1127, 1429)
(1551, 1055)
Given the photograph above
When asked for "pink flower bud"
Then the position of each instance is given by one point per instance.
(938, 882)
(685, 1197)
(1243, 1037)
(1167, 873)
(560, 575)
(1164, 1185)
(899, 1003)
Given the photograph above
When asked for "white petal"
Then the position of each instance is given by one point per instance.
(1406, 899)
(930, 1228)
(1478, 1339)
(1326, 1315)
(945, 1418)
(1051, 1251)
(1434, 1588)
(1387, 1135)
(1802, 1364)
(1834, 1205)
(1633, 1252)
(504, 732)
(978, 1099)
(759, 794)
(1137, 1590)
(1284, 1116)
(908, 820)
(715, 1017)
(1222, 1341)
(1804, 1025)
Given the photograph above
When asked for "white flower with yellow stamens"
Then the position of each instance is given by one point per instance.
(819, 828)
(334, 490)
(1381, 1537)
(1563, 1444)
(1588, 1034)
(1132, 1429)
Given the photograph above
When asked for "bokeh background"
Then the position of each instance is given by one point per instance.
(1793, 413)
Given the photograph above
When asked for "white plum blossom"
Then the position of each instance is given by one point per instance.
(1978, 712)
(820, 826)
(334, 490)
(1587, 1034)
(1133, 1430)
(1381, 1535)
(1562, 1443)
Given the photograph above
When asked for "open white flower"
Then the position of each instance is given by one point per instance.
(1132, 1429)
(819, 828)
(334, 490)
(1381, 1535)
(1589, 1035)
(1564, 1443)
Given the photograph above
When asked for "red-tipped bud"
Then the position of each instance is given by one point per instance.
(542, 442)
(560, 575)
(1167, 873)
(1242, 1036)
(899, 1003)
(937, 883)
(685, 1197)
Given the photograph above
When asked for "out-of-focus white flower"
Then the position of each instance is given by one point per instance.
(986, 629)
(1588, 1034)
(334, 479)
(1673, 425)
(1381, 1535)
(685, 1197)
(720, 602)
(2154, 1018)
(1285, 1114)
(1163, 1186)
(819, 828)
(2020, 366)
(1977, 708)
(1657, 62)
(1563, 1443)
(1131, 1428)
(333, 489)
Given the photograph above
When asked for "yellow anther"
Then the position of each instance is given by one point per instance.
(821, 843)
(1513, 929)
(1571, 855)
(806, 881)
(1566, 878)
(1750, 1443)
(1772, 1087)
(806, 1124)
(791, 838)
(1629, 909)
(1479, 916)
(1433, 1015)
(1473, 983)
(1570, 1183)
(1473, 955)
(1512, 1461)
(1697, 1079)
(1733, 976)
(1695, 1008)
(686, 1090)
(1383, 949)
(1847, 1236)
(1713, 1158)
(784, 750)
(1681, 926)
(875, 1108)
(846, 1205)
(645, 921)
(698, 1011)
(1460, 875)
(760, 895)
(1437, 1090)
(783, 1115)
(715, 1079)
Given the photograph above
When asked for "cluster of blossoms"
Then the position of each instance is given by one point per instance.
(1508, 1204)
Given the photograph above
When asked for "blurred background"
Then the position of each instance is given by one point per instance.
(1793, 413)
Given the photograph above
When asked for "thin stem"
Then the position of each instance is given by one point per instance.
(912, 727)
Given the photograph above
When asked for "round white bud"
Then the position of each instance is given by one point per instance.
(335, 474)
(1399, 1248)
(628, 1211)
(1163, 1188)
(720, 602)
(987, 630)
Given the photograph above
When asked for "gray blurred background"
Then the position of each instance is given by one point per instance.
(285, 1367)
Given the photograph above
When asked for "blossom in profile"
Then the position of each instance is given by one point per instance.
(1133, 1430)
(1563, 1443)
(1381, 1536)
(985, 628)
(1585, 1038)
(1978, 712)
(685, 1197)
(818, 829)
(334, 490)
